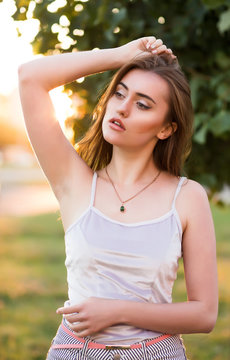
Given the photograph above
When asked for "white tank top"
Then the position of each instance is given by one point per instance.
(106, 258)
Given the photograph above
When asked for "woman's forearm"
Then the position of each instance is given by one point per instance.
(185, 317)
(96, 314)
(56, 70)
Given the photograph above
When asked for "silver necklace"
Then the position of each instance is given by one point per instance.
(122, 208)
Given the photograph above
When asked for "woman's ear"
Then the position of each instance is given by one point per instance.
(167, 131)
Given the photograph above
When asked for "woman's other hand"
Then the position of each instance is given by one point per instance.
(144, 46)
(92, 316)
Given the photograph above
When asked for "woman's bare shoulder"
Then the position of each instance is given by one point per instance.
(192, 202)
(193, 190)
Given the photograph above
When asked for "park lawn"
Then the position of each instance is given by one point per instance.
(33, 285)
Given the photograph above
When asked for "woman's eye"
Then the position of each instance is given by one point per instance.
(143, 106)
(119, 94)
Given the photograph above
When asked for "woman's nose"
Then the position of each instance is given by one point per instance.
(124, 108)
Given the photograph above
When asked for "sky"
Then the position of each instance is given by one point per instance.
(17, 50)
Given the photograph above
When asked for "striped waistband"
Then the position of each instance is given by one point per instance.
(95, 345)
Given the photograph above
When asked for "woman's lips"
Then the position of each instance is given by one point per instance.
(117, 124)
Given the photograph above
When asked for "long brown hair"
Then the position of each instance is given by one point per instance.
(169, 154)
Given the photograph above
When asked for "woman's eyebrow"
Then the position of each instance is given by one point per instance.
(139, 94)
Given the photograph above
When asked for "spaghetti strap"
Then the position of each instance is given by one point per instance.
(93, 188)
(178, 190)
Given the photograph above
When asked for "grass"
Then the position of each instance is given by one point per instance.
(33, 285)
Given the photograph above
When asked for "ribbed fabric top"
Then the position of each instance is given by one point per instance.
(106, 258)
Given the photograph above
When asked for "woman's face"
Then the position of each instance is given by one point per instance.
(137, 111)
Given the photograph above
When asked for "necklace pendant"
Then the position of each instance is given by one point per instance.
(122, 208)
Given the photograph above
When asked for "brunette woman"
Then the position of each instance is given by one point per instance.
(127, 213)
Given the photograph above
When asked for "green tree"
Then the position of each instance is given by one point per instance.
(198, 31)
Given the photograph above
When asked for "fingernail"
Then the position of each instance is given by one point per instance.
(154, 51)
(58, 310)
(153, 46)
(147, 46)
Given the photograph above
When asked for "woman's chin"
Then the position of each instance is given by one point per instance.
(112, 142)
(112, 139)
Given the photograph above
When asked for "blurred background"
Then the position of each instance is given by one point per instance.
(33, 276)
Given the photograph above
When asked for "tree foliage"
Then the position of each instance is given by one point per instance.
(198, 31)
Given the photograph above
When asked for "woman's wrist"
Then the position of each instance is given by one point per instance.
(113, 58)
(120, 308)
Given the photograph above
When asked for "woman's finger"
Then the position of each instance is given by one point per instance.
(163, 49)
(156, 44)
(73, 318)
(148, 41)
(159, 50)
(84, 333)
(79, 327)
(69, 309)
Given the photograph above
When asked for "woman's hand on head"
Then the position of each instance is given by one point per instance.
(91, 316)
(143, 46)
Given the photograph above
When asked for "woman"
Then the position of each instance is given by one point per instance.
(128, 215)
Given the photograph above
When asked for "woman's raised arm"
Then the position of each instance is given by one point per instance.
(55, 154)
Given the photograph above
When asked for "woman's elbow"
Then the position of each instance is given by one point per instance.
(211, 324)
(22, 73)
(209, 321)
(25, 74)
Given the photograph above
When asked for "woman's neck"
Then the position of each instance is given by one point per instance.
(129, 168)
